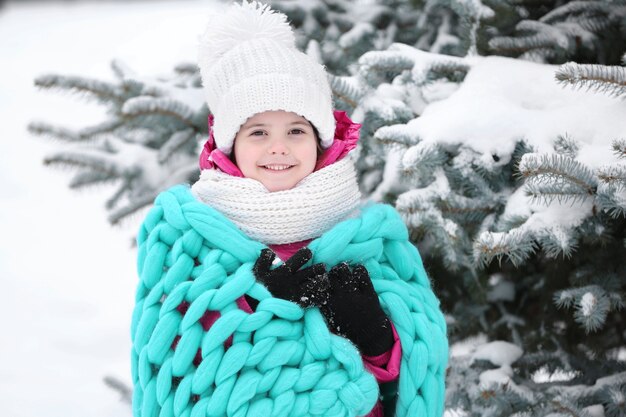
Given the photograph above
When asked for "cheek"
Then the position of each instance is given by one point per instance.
(245, 158)
(308, 155)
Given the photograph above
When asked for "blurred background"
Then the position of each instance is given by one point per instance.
(68, 277)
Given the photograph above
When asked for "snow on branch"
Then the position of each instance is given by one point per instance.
(517, 245)
(346, 89)
(148, 142)
(150, 106)
(592, 303)
(101, 91)
(398, 134)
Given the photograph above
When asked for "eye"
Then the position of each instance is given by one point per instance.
(257, 133)
(297, 131)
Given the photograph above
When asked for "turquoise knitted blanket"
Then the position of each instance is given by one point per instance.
(280, 360)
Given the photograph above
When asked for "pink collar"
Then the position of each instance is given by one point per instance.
(346, 137)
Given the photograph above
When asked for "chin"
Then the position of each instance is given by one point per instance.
(272, 188)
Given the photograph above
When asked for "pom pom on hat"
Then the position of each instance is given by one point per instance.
(243, 22)
(249, 64)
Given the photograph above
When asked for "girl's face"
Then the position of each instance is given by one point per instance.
(276, 148)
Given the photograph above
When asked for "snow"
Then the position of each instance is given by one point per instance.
(68, 276)
(543, 374)
(587, 304)
(596, 410)
(498, 352)
(468, 346)
(498, 376)
(503, 100)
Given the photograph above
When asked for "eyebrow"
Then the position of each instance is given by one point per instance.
(298, 122)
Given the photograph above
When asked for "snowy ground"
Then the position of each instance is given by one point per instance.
(67, 276)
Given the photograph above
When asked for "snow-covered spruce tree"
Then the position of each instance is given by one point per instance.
(150, 140)
(505, 164)
(339, 31)
(582, 31)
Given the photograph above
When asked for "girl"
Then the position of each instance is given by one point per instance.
(267, 289)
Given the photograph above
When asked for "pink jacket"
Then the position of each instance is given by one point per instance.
(385, 367)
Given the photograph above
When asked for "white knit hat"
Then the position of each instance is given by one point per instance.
(249, 64)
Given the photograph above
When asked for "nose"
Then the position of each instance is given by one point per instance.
(277, 146)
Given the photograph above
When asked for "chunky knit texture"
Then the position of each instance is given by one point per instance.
(312, 207)
(280, 360)
(249, 64)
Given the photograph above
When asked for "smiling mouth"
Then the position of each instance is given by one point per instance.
(277, 167)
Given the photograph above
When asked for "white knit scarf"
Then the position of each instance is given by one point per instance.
(312, 207)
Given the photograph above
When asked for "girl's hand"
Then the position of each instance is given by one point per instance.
(353, 310)
(306, 287)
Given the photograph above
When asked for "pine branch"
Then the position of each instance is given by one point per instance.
(508, 222)
(614, 400)
(346, 89)
(422, 159)
(108, 126)
(55, 132)
(150, 106)
(387, 110)
(466, 178)
(398, 134)
(174, 143)
(557, 170)
(466, 210)
(89, 178)
(593, 25)
(516, 244)
(67, 135)
(454, 71)
(560, 191)
(544, 36)
(190, 68)
(121, 213)
(555, 241)
(124, 390)
(579, 8)
(567, 146)
(100, 163)
(385, 61)
(448, 237)
(592, 304)
(612, 201)
(619, 148)
(589, 391)
(360, 32)
(101, 91)
(613, 175)
(123, 188)
(599, 78)
(121, 70)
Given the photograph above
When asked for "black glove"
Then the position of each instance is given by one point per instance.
(307, 287)
(353, 310)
